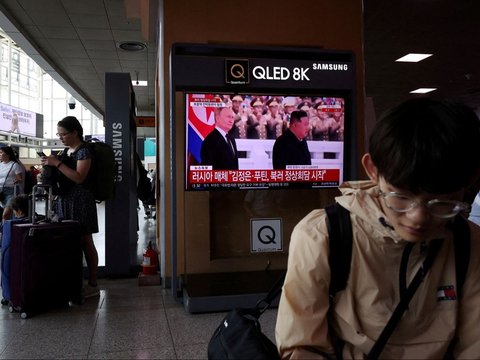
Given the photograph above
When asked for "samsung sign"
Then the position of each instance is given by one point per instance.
(237, 71)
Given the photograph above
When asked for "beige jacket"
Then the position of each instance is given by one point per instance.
(305, 326)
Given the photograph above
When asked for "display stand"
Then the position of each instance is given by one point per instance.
(224, 291)
(216, 263)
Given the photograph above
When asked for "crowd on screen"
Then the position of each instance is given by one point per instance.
(267, 117)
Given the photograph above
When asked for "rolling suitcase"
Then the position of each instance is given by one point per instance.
(6, 259)
(46, 268)
(5, 247)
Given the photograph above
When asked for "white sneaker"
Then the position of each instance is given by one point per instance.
(89, 291)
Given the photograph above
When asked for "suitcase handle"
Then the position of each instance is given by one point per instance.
(48, 201)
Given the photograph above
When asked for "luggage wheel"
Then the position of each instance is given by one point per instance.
(23, 315)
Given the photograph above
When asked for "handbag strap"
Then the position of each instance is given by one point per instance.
(377, 348)
(276, 289)
(6, 177)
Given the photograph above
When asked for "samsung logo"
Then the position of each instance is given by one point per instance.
(330, 67)
(117, 145)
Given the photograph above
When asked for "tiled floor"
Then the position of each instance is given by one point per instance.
(127, 321)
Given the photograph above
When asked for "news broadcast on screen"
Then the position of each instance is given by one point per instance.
(258, 121)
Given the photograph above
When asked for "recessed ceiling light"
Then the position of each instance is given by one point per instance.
(139, 83)
(422, 90)
(412, 57)
(132, 46)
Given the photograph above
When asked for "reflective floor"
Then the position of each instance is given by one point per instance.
(127, 321)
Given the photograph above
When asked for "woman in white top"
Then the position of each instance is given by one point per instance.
(10, 176)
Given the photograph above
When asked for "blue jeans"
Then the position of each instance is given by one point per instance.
(8, 192)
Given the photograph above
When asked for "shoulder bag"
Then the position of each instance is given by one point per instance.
(239, 336)
(2, 194)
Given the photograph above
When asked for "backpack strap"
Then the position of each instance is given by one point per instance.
(339, 227)
(461, 241)
(397, 314)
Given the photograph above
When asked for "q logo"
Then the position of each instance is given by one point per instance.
(266, 235)
(237, 71)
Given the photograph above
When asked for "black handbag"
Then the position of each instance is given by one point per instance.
(60, 184)
(239, 336)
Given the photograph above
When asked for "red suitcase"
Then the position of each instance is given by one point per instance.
(46, 265)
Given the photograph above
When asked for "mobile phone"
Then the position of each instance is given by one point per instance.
(41, 153)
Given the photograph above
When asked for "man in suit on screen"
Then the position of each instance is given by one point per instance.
(291, 148)
(219, 149)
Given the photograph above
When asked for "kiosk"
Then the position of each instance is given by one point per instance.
(230, 227)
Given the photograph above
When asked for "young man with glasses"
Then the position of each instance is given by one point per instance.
(423, 155)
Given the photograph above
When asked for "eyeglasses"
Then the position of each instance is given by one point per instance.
(62, 134)
(443, 209)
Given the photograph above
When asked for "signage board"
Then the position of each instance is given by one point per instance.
(266, 235)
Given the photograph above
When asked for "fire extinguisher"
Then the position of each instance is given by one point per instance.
(150, 260)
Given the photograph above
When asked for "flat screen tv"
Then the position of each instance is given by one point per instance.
(258, 121)
(16, 120)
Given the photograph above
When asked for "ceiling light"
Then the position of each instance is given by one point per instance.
(132, 46)
(139, 83)
(422, 90)
(413, 57)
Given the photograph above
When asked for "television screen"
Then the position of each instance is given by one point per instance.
(17, 120)
(258, 141)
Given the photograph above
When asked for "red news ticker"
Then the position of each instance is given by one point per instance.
(199, 176)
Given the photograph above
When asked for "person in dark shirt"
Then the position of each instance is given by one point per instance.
(291, 148)
(219, 149)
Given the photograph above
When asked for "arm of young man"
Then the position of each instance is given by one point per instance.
(302, 325)
(468, 331)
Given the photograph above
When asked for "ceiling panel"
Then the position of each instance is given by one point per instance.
(449, 30)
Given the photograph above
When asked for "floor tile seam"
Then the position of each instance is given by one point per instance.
(192, 342)
(167, 320)
(12, 339)
(92, 336)
(131, 349)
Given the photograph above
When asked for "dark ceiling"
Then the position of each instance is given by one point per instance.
(450, 30)
(80, 39)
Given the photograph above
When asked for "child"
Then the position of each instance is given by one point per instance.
(422, 156)
(20, 206)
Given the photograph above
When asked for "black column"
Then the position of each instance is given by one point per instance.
(121, 218)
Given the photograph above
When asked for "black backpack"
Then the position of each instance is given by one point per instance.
(103, 171)
(144, 186)
(340, 239)
(60, 184)
(101, 177)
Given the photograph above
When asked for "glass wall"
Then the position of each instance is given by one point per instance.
(25, 85)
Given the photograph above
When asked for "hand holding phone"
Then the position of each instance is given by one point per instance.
(41, 153)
